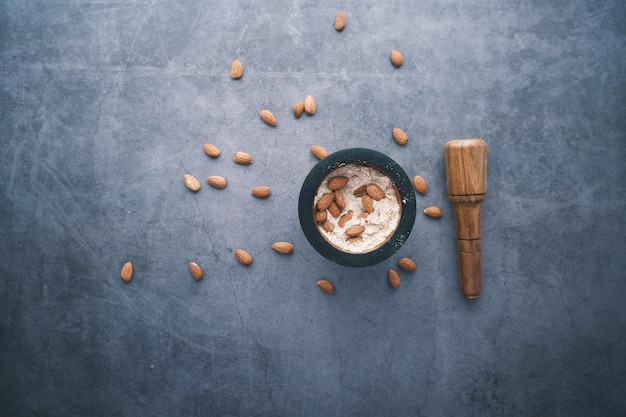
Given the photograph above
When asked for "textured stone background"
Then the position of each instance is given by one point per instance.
(105, 105)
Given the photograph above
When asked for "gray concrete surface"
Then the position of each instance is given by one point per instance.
(105, 105)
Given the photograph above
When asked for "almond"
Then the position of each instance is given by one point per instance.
(268, 117)
(334, 210)
(282, 247)
(236, 69)
(336, 183)
(328, 226)
(298, 109)
(360, 192)
(407, 264)
(191, 182)
(394, 278)
(320, 216)
(211, 150)
(340, 200)
(354, 239)
(127, 272)
(433, 211)
(374, 191)
(368, 204)
(243, 257)
(363, 216)
(396, 58)
(216, 181)
(319, 152)
(354, 231)
(242, 158)
(196, 271)
(325, 201)
(340, 21)
(420, 184)
(326, 286)
(399, 136)
(262, 191)
(345, 218)
(309, 105)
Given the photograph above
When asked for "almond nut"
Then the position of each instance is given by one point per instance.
(320, 216)
(336, 183)
(262, 191)
(399, 136)
(127, 272)
(216, 181)
(354, 239)
(236, 69)
(433, 211)
(191, 182)
(196, 271)
(396, 58)
(374, 191)
(360, 192)
(345, 218)
(309, 105)
(340, 21)
(354, 231)
(420, 184)
(326, 286)
(363, 216)
(243, 257)
(242, 158)
(298, 109)
(211, 150)
(268, 117)
(282, 247)
(394, 278)
(334, 210)
(319, 152)
(368, 204)
(325, 201)
(407, 264)
(328, 226)
(340, 200)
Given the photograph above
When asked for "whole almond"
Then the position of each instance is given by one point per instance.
(319, 152)
(328, 226)
(127, 272)
(196, 271)
(337, 182)
(309, 105)
(325, 201)
(268, 117)
(420, 184)
(354, 239)
(326, 286)
(211, 150)
(360, 191)
(396, 58)
(363, 216)
(433, 211)
(340, 200)
(354, 231)
(236, 69)
(399, 136)
(261, 191)
(243, 257)
(345, 218)
(340, 21)
(320, 216)
(334, 210)
(298, 109)
(394, 278)
(282, 247)
(374, 191)
(242, 158)
(216, 181)
(191, 182)
(368, 204)
(407, 264)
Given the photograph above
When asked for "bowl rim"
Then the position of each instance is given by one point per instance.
(374, 159)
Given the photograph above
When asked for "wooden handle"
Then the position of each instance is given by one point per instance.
(466, 178)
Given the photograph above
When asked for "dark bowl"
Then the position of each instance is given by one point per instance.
(365, 157)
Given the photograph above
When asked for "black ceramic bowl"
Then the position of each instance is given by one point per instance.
(373, 159)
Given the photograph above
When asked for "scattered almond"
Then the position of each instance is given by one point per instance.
(374, 191)
(396, 58)
(325, 201)
(243, 257)
(320, 216)
(262, 191)
(420, 184)
(268, 117)
(298, 109)
(368, 204)
(196, 271)
(340, 200)
(345, 218)
(334, 209)
(394, 278)
(407, 264)
(360, 192)
(326, 286)
(242, 158)
(399, 136)
(363, 215)
(236, 69)
(216, 181)
(211, 150)
(309, 105)
(191, 182)
(127, 272)
(282, 247)
(328, 226)
(354, 231)
(340, 21)
(433, 211)
(319, 152)
(337, 182)
(354, 239)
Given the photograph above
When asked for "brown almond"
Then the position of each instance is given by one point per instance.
(394, 278)
(325, 201)
(399, 136)
(420, 184)
(374, 191)
(268, 117)
(191, 182)
(360, 192)
(282, 247)
(340, 21)
(242, 158)
(236, 69)
(261, 191)
(320, 216)
(334, 210)
(407, 264)
(337, 182)
(243, 257)
(362, 216)
(196, 271)
(309, 105)
(216, 181)
(298, 109)
(345, 218)
(319, 152)
(368, 204)
(354, 239)
(127, 272)
(340, 200)
(396, 58)
(211, 150)
(355, 230)
(326, 286)
(328, 226)
(433, 211)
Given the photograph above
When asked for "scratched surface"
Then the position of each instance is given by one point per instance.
(104, 106)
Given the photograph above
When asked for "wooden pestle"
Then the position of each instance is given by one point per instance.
(466, 178)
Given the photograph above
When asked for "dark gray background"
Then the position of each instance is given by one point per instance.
(105, 105)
